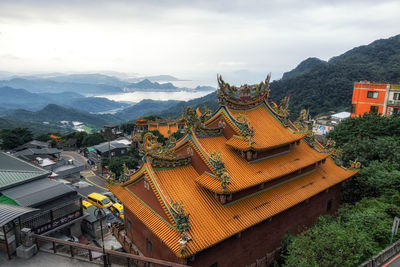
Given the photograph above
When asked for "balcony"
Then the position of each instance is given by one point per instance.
(394, 103)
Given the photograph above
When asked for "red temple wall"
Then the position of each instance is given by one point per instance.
(265, 237)
(140, 233)
(147, 195)
(253, 243)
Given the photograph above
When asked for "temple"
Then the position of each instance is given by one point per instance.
(227, 192)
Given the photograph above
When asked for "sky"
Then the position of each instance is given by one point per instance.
(242, 40)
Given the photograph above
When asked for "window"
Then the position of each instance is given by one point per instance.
(329, 205)
(396, 111)
(396, 96)
(372, 94)
(149, 246)
(374, 109)
(112, 154)
(123, 151)
(129, 225)
(353, 108)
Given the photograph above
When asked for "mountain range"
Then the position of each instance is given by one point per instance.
(317, 85)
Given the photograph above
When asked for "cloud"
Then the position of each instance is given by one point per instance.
(187, 38)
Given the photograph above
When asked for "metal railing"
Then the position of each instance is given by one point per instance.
(383, 256)
(93, 253)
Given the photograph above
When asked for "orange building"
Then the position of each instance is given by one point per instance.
(228, 191)
(165, 127)
(378, 98)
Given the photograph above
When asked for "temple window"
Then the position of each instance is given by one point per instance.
(396, 96)
(149, 246)
(129, 225)
(329, 205)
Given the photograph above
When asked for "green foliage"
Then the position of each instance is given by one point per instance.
(127, 127)
(375, 142)
(44, 137)
(115, 165)
(12, 138)
(329, 86)
(363, 227)
(152, 118)
(92, 139)
(360, 231)
(178, 135)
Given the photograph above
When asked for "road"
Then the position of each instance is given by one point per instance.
(89, 175)
(394, 262)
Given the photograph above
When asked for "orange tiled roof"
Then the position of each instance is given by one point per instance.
(212, 222)
(268, 131)
(244, 175)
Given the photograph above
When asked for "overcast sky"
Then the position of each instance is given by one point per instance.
(242, 40)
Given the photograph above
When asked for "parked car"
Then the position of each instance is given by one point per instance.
(99, 200)
(118, 210)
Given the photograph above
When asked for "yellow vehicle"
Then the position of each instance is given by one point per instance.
(118, 210)
(99, 200)
(86, 204)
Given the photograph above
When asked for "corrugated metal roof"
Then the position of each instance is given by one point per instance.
(14, 171)
(37, 192)
(37, 151)
(11, 212)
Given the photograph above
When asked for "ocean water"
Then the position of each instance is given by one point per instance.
(137, 96)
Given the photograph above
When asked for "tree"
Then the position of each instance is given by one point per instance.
(92, 139)
(127, 127)
(178, 135)
(360, 231)
(13, 138)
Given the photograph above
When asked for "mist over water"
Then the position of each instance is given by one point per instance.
(140, 95)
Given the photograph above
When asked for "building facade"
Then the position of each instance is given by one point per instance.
(380, 98)
(228, 191)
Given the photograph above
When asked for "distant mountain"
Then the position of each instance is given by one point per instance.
(148, 85)
(94, 104)
(36, 128)
(93, 78)
(55, 113)
(304, 67)
(50, 86)
(11, 98)
(161, 78)
(329, 86)
(210, 101)
(146, 107)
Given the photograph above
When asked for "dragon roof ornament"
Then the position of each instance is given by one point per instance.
(182, 224)
(243, 97)
(160, 155)
(195, 121)
(244, 127)
(219, 168)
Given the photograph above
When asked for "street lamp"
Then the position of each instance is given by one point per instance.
(100, 215)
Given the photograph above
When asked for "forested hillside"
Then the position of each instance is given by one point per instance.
(327, 87)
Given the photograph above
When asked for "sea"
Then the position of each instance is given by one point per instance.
(186, 93)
